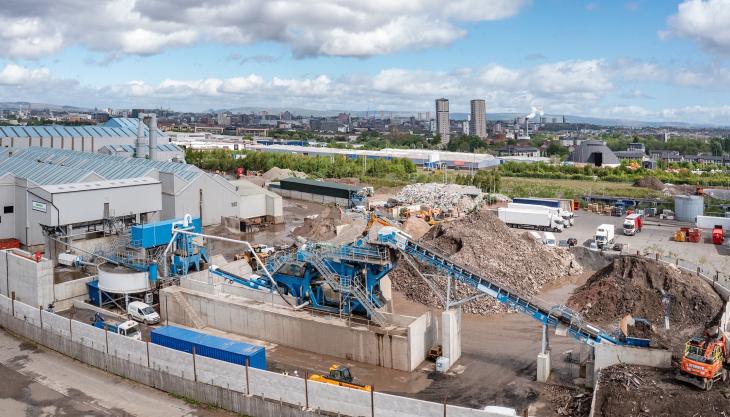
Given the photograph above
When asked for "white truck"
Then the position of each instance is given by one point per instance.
(605, 234)
(530, 219)
(142, 312)
(564, 214)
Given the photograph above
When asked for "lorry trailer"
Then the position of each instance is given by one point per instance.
(565, 204)
(565, 215)
(214, 347)
(531, 219)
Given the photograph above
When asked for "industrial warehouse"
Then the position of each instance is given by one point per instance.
(259, 282)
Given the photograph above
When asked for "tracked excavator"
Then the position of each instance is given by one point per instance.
(705, 359)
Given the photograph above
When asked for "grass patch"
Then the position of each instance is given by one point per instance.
(573, 189)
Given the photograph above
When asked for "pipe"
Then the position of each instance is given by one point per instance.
(301, 306)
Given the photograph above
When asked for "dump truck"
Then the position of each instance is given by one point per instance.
(340, 375)
(127, 328)
(632, 224)
(704, 359)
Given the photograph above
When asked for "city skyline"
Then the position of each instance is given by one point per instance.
(645, 60)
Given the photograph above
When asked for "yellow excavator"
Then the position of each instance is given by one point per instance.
(340, 375)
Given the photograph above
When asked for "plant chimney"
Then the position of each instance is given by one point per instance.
(153, 136)
(140, 142)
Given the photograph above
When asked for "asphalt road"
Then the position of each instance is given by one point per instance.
(655, 236)
(40, 382)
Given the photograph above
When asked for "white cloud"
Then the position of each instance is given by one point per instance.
(36, 28)
(705, 21)
(17, 75)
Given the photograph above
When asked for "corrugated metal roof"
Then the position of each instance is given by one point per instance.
(117, 127)
(165, 147)
(45, 166)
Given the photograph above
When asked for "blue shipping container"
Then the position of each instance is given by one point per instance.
(159, 233)
(213, 347)
(538, 202)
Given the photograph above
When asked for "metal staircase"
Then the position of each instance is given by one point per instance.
(189, 311)
(345, 285)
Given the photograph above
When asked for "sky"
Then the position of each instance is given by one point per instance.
(654, 60)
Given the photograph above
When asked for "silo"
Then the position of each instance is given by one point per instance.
(688, 207)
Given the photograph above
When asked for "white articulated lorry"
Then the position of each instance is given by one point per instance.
(530, 219)
(604, 235)
(565, 215)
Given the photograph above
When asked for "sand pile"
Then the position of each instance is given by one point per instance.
(325, 225)
(276, 174)
(636, 286)
(416, 227)
(483, 243)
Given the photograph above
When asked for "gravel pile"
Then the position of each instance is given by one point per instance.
(483, 243)
(463, 198)
(276, 174)
(324, 226)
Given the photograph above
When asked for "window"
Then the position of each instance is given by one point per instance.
(8, 209)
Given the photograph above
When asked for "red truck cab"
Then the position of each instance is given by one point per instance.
(718, 235)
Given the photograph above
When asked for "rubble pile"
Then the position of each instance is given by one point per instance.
(636, 286)
(630, 390)
(567, 401)
(445, 197)
(483, 243)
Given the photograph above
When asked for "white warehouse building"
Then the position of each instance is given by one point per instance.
(72, 190)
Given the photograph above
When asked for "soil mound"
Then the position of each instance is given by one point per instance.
(483, 243)
(650, 182)
(634, 285)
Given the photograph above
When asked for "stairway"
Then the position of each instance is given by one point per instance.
(190, 313)
(346, 286)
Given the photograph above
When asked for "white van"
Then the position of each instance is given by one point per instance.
(142, 312)
(549, 239)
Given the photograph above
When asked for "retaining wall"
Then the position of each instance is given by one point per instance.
(299, 329)
(66, 292)
(31, 281)
(607, 355)
(243, 390)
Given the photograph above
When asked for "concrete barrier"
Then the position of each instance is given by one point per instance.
(66, 292)
(208, 380)
(607, 355)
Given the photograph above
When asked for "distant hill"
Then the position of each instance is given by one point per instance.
(17, 105)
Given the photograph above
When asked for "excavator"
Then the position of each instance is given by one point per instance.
(704, 359)
(340, 375)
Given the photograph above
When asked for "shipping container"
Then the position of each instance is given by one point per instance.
(10, 243)
(213, 347)
(158, 233)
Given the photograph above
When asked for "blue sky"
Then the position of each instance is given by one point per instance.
(646, 60)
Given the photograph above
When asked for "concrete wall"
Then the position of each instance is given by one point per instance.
(607, 355)
(32, 281)
(298, 329)
(422, 335)
(66, 292)
(207, 380)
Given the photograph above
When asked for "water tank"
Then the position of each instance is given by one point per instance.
(688, 207)
(122, 280)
